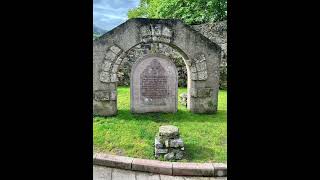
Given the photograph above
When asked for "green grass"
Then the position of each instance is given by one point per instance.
(133, 134)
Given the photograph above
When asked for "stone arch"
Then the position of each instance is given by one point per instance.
(201, 57)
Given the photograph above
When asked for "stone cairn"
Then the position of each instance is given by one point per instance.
(183, 97)
(168, 143)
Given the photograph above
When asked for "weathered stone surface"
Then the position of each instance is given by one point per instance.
(157, 143)
(110, 56)
(120, 174)
(220, 169)
(204, 92)
(161, 150)
(101, 95)
(168, 137)
(115, 68)
(113, 77)
(169, 156)
(176, 143)
(217, 32)
(121, 162)
(192, 169)
(183, 99)
(169, 131)
(105, 77)
(115, 49)
(101, 173)
(113, 95)
(147, 176)
(154, 85)
(106, 66)
(202, 75)
(178, 155)
(152, 166)
(166, 177)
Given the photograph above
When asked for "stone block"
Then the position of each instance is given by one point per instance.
(101, 95)
(169, 131)
(110, 56)
(176, 143)
(202, 75)
(157, 143)
(113, 95)
(199, 58)
(113, 161)
(115, 50)
(193, 69)
(115, 68)
(194, 76)
(145, 30)
(166, 31)
(220, 169)
(152, 166)
(104, 77)
(178, 155)
(192, 169)
(106, 66)
(156, 38)
(113, 77)
(161, 150)
(201, 66)
(193, 92)
(204, 92)
(156, 30)
(118, 61)
(169, 156)
(166, 143)
(147, 39)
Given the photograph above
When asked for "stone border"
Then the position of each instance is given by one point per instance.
(161, 167)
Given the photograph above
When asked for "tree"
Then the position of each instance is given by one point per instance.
(189, 11)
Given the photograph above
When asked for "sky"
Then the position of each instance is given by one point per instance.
(107, 14)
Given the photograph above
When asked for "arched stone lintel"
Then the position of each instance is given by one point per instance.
(202, 96)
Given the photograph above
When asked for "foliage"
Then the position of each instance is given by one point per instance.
(133, 135)
(95, 35)
(189, 11)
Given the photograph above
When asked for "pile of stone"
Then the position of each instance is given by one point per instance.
(168, 143)
(183, 97)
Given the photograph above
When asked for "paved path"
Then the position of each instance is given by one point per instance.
(105, 173)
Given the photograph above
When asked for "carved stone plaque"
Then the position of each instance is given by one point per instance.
(154, 84)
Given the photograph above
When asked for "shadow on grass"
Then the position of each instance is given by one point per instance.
(193, 152)
(181, 116)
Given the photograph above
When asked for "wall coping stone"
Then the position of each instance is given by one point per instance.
(161, 167)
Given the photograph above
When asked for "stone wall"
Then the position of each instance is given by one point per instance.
(216, 32)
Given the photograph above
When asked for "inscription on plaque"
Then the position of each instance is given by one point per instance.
(154, 84)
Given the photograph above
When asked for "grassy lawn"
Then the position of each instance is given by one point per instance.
(133, 134)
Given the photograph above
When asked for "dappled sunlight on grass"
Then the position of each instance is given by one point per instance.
(133, 134)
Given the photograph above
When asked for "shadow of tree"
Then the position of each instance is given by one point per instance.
(181, 116)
